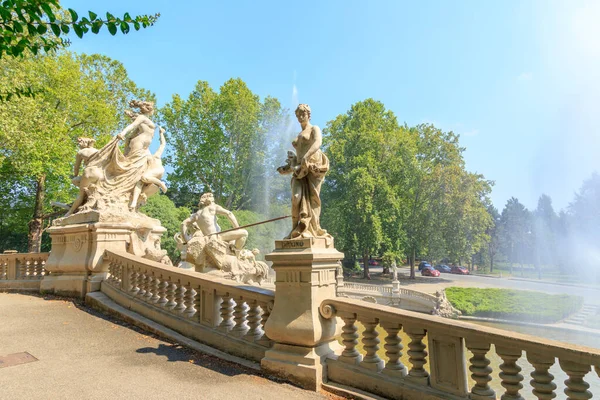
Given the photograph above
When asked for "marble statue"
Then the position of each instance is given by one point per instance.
(308, 166)
(114, 182)
(204, 248)
(394, 271)
(113, 185)
(91, 175)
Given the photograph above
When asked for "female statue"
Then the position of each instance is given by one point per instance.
(308, 168)
(124, 177)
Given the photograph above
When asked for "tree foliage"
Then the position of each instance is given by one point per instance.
(41, 25)
(515, 237)
(218, 143)
(170, 216)
(400, 189)
(84, 95)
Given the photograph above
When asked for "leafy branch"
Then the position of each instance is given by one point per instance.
(35, 26)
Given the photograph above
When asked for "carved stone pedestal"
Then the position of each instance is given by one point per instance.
(76, 263)
(305, 276)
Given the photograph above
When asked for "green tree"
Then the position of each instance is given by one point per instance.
(435, 178)
(83, 96)
(493, 246)
(515, 231)
(365, 148)
(544, 226)
(218, 144)
(170, 216)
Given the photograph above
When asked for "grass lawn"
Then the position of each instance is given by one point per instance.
(516, 305)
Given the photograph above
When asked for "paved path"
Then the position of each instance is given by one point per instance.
(84, 355)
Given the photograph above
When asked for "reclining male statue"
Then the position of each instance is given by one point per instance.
(202, 245)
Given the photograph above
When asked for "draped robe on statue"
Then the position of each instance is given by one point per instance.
(306, 197)
(118, 175)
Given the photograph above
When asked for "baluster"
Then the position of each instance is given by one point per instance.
(577, 388)
(148, 285)
(155, 290)
(350, 354)
(118, 274)
(254, 332)
(44, 272)
(239, 317)
(198, 303)
(27, 270)
(542, 382)
(22, 270)
(111, 271)
(417, 355)
(171, 296)
(162, 292)
(481, 370)
(226, 313)
(34, 268)
(510, 376)
(371, 344)
(179, 292)
(393, 350)
(3, 269)
(40, 268)
(188, 301)
(141, 284)
(266, 308)
(133, 279)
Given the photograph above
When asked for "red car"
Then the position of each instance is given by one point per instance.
(459, 270)
(430, 272)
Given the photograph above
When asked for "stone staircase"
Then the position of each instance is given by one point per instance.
(580, 317)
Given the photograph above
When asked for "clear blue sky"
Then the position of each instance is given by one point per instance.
(519, 81)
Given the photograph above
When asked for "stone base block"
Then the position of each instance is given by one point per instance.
(69, 285)
(304, 366)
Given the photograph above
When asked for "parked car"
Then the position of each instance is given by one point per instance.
(424, 264)
(429, 271)
(373, 262)
(459, 270)
(443, 268)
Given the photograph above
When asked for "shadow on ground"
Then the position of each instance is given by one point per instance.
(177, 353)
(174, 352)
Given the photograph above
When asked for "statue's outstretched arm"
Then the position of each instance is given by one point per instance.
(161, 148)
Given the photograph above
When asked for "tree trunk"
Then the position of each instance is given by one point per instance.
(366, 266)
(491, 264)
(412, 264)
(34, 243)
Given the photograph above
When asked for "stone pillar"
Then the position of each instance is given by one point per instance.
(76, 262)
(305, 276)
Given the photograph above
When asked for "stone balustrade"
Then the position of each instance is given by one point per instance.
(219, 312)
(445, 350)
(22, 271)
(388, 290)
(391, 295)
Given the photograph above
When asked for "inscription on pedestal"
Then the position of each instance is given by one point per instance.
(305, 243)
(294, 244)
